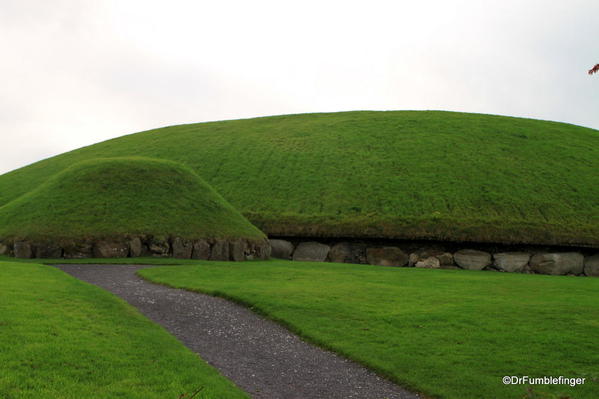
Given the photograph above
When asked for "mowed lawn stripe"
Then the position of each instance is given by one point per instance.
(62, 338)
(449, 334)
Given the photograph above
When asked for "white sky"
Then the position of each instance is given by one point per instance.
(76, 72)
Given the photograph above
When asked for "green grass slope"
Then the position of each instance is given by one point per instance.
(122, 197)
(62, 338)
(397, 174)
(450, 334)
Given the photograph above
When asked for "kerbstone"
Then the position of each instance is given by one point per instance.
(557, 263)
(472, 259)
(511, 261)
(386, 256)
(281, 249)
(311, 252)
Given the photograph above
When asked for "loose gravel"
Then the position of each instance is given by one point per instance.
(260, 356)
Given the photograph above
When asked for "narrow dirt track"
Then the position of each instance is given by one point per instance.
(260, 356)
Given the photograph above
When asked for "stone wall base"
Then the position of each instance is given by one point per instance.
(439, 255)
(176, 247)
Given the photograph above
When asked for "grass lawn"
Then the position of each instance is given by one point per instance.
(447, 333)
(403, 174)
(62, 338)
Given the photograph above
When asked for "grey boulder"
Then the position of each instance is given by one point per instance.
(111, 249)
(220, 250)
(78, 250)
(237, 250)
(511, 261)
(23, 249)
(557, 263)
(181, 248)
(472, 259)
(591, 265)
(281, 249)
(432, 262)
(341, 253)
(135, 247)
(311, 252)
(201, 250)
(386, 256)
(46, 250)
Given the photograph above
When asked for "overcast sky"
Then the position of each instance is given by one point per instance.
(77, 72)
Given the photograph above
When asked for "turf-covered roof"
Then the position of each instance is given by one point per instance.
(123, 197)
(396, 174)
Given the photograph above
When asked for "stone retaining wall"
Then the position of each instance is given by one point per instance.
(204, 249)
(531, 260)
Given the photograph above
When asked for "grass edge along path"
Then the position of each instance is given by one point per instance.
(445, 333)
(60, 337)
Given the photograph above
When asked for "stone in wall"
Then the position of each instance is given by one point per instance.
(258, 250)
(4, 249)
(158, 246)
(237, 250)
(78, 250)
(220, 250)
(445, 258)
(432, 262)
(342, 253)
(47, 250)
(23, 249)
(311, 252)
(511, 261)
(281, 249)
(386, 256)
(472, 259)
(111, 249)
(181, 248)
(557, 263)
(201, 250)
(591, 265)
(136, 248)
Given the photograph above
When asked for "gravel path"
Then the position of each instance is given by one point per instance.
(261, 357)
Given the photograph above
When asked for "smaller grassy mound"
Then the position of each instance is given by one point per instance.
(115, 197)
(62, 338)
(450, 334)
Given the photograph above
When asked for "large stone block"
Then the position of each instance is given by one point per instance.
(591, 265)
(258, 250)
(111, 249)
(182, 248)
(159, 246)
(511, 261)
(201, 250)
(386, 256)
(281, 249)
(220, 250)
(472, 259)
(23, 249)
(557, 263)
(432, 262)
(136, 248)
(311, 252)
(237, 250)
(78, 250)
(342, 253)
(47, 250)
(4, 249)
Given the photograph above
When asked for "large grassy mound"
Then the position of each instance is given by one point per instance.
(123, 197)
(400, 174)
